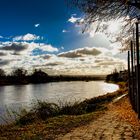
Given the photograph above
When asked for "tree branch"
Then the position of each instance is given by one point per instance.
(136, 4)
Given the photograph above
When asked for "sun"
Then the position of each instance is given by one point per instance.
(113, 27)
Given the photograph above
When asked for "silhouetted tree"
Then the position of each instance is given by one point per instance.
(2, 73)
(19, 73)
(39, 73)
(39, 76)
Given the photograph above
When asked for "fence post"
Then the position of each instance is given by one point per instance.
(132, 77)
(138, 74)
(129, 79)
(135, 71)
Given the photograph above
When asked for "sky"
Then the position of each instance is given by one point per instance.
(45, 34)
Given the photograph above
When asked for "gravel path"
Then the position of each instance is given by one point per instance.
(107, 127)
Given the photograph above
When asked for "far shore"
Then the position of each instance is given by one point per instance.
(17, 80)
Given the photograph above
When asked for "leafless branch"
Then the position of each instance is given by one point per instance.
(106, 10)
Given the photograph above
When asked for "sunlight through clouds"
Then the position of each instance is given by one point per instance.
(25, 52)
(65, 47)
(114, 26)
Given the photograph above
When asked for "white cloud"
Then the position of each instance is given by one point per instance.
(46, 47)
(88, 64)
(74, 14)
(65, 31)
(26, 48)
(26, 37)
(62, 47)
(75, 19)
(87, 60)
(37, 25)
(20, 54)
(1, 36)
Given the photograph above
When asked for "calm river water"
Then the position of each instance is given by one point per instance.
(52, 92)
(24, 95)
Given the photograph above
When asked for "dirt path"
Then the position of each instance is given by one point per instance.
(107, 127)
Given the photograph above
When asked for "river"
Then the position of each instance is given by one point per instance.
(24, 95)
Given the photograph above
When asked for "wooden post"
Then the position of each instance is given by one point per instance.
(132, 76)
(135, 70)
(134, 47)
(138, 74)
(129, 79)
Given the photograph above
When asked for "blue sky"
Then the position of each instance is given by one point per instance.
(44, 34)
(20, 16)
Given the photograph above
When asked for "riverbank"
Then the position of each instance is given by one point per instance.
(29, 126)
(39, 77)
(12, 80)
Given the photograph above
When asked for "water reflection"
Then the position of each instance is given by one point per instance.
(16, 97)
(24, 94)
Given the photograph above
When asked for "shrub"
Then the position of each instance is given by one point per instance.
(44, 110)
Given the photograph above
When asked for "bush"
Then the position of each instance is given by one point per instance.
(44, 110)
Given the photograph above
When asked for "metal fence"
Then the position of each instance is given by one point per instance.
(134, 71)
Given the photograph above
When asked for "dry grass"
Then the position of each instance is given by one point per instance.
(30, 127)
(48, 129)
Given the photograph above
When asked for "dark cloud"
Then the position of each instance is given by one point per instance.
(47, 56)
(80, 52)
(88, 51)
(15, 53)
(54, 64)
(70, 55)
(4, 62)
(2, 54)
(16, 47)
(95, 67)
(82, 59)
(107, 63)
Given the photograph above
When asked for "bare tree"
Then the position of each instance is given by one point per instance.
(105, 10)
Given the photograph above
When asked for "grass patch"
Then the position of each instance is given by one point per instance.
(44, 111)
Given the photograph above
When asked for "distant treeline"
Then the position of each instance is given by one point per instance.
(20, 76)
(116, 76)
